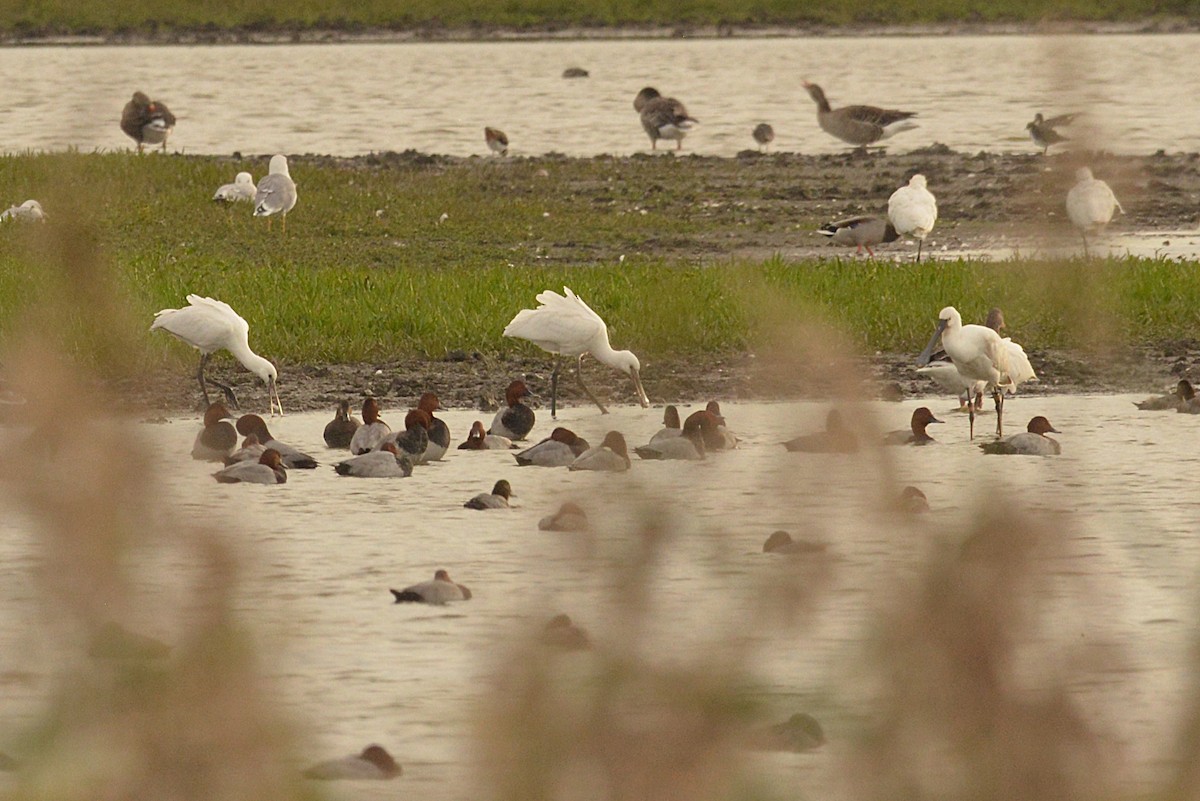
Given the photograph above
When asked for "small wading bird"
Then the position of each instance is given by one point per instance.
(497, 140)
(662, 117)
(242, 189)
(1090, 205)
(980, 354)
(859, 125)
(146, 121)
(209, 326)
(861, 231)
(912, 210)
(566, 326)
(764, 134)
(1042, 132)
(276, 192)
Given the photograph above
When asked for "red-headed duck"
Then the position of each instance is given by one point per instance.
(561, 448)
(268, 469)
(569, 517)
(911, 501)
(373, 763)
(218, 439)
(782, 542)
(496, 499)
(386, 462)
(340, 430)
(439, 591)
(515, 420)
(1030, 442)
(439, 432)
(560, 632)
(723, 439)
(371, 433)
(251, 451)
(611, 455)
(836, 438)
(916, 434)
(800, 732)
(671, 426)
(414, 439)
(479, 440)
(691, 444)
(293, 459)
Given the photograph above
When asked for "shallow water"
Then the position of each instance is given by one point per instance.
(971, 92)
(322, 551)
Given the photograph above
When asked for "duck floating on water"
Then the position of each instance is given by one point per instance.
(1030, 442)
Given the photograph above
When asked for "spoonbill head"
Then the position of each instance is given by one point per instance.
(566, 326)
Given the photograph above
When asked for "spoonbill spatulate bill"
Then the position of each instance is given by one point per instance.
(209, 326)
(979, 354)
(566, 326)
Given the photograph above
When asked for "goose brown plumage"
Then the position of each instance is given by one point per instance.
(858, 125)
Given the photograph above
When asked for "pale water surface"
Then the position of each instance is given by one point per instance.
(322, 551)
(971, 92)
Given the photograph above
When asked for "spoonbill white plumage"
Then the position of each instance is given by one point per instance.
(566, 326)
(912, 210)
(209, 326)
(980, 354)
(276, 193)
(1090, 204)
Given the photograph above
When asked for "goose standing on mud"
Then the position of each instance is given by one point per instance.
(1030, 442)
(912, 211)
(566, 326)
(763, 134)
(276, 192)
(863, 231)
(1042, 132)
(1090, 205)
(209, 326)
(859, 125)
(979, 354)
(146, 121)
(515, 420)
(497, 141)
(242, 189)
(438, 591)
(662, 117)
(373, 431)
(339, 432)
(217, 441)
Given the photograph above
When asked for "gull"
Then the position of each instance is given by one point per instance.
(1042, 132)
(146, 121)
(209, 326)
(497, 140)
(979, 354)
(858, 125)
(241, 189)
(662, 117)
(1090, 205)
(566, 326)
(29, 211)
(912, 210)
(276, 193)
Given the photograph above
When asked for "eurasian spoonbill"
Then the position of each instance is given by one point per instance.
(340, 430)
(858, 125)
(496, 499)
(276, 192)
(373, 763)
(497, 141)
(209, 326)
(863, 231)
(438, 591)
(1042, 132)
(566, 326)
(662, 117)
(1090, 205)
(1030, 442)
(912, 210)
(146, 121)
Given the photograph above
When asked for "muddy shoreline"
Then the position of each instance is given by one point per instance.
(476, 381)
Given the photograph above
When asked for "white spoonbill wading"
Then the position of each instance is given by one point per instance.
(1090, 204)
(209, 326)
(979, 354)
(276, 193)
(912, 210)
(566, 326)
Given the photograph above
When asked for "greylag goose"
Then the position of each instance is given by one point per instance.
(146, 121)
(662, 117)
(862, 231)
(858, 125)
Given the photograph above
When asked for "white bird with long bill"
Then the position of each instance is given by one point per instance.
(209, 326)
(980, 354)
(566, 326)
(912, 211)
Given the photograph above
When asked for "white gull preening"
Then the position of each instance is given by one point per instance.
(912, 210)
(1091, 204)
(241, 189)
(276, 193)
(29, 211)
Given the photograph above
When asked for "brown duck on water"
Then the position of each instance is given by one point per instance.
(859, 125)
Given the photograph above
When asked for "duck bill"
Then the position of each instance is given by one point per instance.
(637, 386)
(926, 354)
